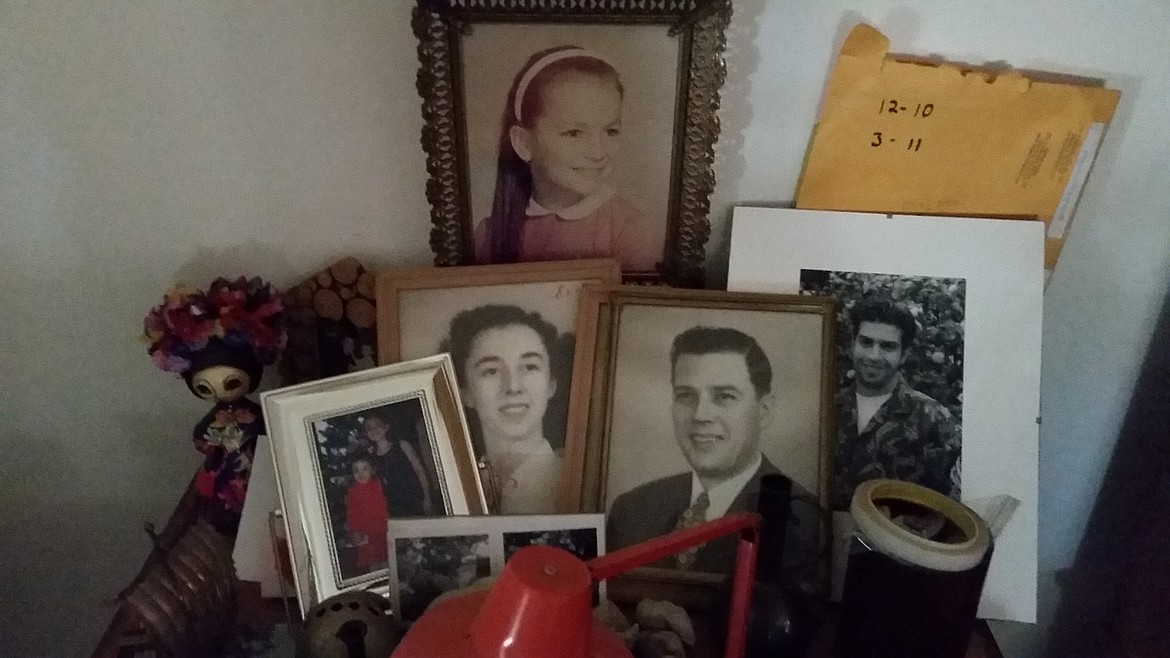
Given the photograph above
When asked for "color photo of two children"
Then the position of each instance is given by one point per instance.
(375, 464)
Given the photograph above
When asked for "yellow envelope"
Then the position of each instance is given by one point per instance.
(911, 136)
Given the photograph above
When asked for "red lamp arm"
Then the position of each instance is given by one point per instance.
(748, 527)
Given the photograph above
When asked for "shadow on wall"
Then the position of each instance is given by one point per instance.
(1113, 597)
(735, 115)
(742, 56)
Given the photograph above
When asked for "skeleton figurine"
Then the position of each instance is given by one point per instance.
(219, 341)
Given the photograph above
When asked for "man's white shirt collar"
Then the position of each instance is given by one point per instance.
(724, 493)
(579, 210)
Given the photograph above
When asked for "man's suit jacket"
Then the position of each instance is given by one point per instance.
(653, 509)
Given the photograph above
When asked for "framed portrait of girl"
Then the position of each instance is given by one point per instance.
(572, 130)
(511, 333)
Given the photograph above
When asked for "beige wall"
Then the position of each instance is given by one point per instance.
(143, 143)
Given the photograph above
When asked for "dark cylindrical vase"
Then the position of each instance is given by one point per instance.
(780, 623)
(906, 595)
(896, 610)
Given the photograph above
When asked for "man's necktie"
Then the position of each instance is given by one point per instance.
(692, 516)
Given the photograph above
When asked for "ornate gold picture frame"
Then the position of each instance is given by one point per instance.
(644, 196)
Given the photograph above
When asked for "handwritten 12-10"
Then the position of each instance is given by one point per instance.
(891, 106)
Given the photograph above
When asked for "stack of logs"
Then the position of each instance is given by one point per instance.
(343, 292)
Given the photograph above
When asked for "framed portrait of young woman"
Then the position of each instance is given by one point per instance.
(511, 332)
(694, 396)
(571, 130)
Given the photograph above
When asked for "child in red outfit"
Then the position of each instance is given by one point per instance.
(366, 514)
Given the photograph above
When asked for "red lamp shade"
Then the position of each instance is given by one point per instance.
(541, 605)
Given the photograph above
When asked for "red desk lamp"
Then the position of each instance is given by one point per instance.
(541, 606)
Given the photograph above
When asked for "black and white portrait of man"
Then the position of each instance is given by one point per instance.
(898, 405)
(705, 403)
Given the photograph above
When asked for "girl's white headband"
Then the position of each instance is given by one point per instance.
(543, 63)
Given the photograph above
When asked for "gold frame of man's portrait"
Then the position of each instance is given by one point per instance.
(697, 26)
(805, 375)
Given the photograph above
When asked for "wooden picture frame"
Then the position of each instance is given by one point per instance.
(317, 431)
(626, 366)
(423, 311)
(472, 56)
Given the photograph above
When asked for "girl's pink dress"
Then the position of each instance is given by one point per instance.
(615, 229)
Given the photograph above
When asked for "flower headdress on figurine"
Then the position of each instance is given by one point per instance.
(237, 324)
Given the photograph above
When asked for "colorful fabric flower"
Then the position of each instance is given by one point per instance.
(205, 483)
(232, 495)
(243, 314)
(230, 438)
(223, 418)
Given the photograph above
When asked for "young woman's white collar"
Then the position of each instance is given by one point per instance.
(579, 210)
